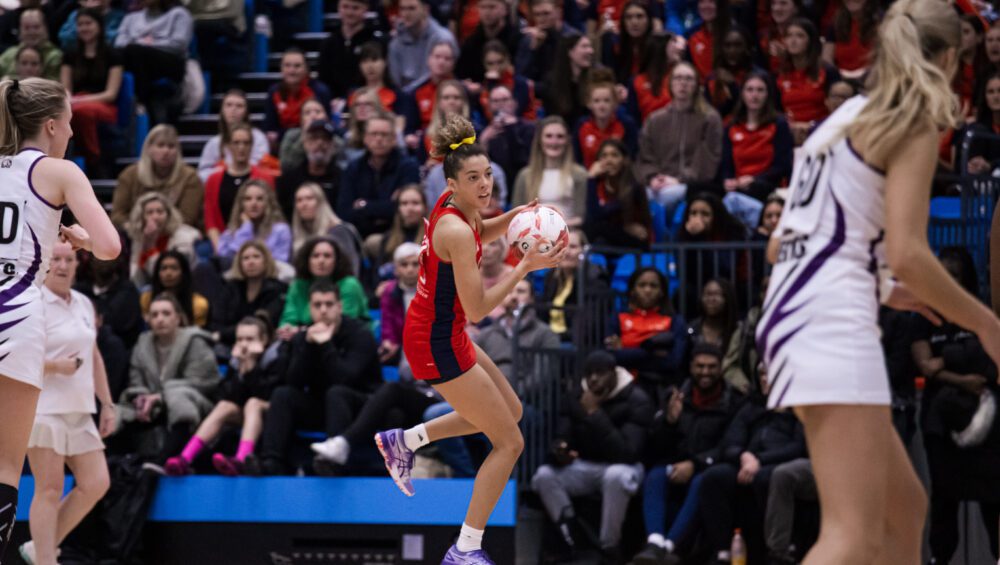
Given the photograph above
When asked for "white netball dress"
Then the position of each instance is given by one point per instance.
(29, 226)
(819, 333)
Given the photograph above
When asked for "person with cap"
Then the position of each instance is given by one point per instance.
(417, 34)
(600, 440)
(320, 166)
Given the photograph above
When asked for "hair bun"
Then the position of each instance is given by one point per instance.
(455, 129)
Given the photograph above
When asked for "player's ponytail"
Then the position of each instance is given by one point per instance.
(907, 90)
(25, 105)
(455, 140)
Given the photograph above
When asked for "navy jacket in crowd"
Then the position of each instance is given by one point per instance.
(349, 359)
(361, 181)
(773, 437)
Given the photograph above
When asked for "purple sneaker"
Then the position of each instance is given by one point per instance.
(456, 557)
(398, 458)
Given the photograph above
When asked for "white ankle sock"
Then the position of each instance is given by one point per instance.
(657, 539)
(469, 539)
(416, 437)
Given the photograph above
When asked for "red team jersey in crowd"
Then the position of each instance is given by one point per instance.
(434, 338)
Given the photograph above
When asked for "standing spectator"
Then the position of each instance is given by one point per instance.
(333, 369)
(564, 90)
(33, 32)
(64, 434)
(93, 73)
(283, 109)
(374, 67)
(508, 136)
(155, 226)
(650, 90)
(418, 103)
(850, 39)
(251, 287)
(314, 217)
(540, 41)
(112, 18)
(256, 216)
(155, 41)
(160, 169)
(495, 24)
(552, 176)
(369, 201)
(292, 152)
(600, 439)
(234, 110)
(804, 78)
(703, 43)
(417, 34)
(617, 209)
(624, 43)
(667, 164)
(394, 301)
(319, 167)
(604, 121)
(320, 258)
(172, 275)
(223, 186)
(340, 52)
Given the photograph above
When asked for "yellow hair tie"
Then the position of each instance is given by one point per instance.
(467, 141)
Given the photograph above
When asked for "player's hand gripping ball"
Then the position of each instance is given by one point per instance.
(538, 223)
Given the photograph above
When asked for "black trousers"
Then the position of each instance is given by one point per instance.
(148, 65)
(294, 409)
(725, 504)
(393, 405)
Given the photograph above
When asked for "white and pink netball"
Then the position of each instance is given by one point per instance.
(541, 223)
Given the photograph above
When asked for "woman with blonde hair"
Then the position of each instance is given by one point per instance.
(553, 176)
(407, 222)
(155, 225)
(313, 217)
(250, 286)
(859, 199)
(256, 215)
(449, 98)
(160, 169)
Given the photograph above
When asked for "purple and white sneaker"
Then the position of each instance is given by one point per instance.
(475, 557)
(398, 458)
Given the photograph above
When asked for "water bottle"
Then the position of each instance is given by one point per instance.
(738, 550)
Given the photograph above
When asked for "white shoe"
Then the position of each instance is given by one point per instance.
(27, 551)
(329, 450)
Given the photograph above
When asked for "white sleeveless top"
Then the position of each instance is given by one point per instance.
(29, 225)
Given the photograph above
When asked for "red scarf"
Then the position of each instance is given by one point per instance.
(704, 400)
(160, 247)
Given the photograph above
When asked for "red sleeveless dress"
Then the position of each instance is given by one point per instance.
(434, 338)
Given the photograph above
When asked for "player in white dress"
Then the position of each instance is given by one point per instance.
(857, 211)
(34, 123)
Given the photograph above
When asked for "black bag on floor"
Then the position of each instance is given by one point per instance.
(124, 509)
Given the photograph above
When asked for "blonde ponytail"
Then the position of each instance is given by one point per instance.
(907, 91)
(25, 105)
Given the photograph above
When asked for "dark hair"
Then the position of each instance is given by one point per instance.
(560, 86)
(629, 194)
(729, 312)
(341, 267)
(375, 51)
(655, 63)
(663, 306)
(101, 59)
(772, 199)
(705, 348)
(184, 292)
(631, 50)
(599, 361)
(719, 27)
(725, 227)
(967, 276)
(984, 115)
(175, 303)
(323, 286)
(262, 321)
(769, 113)
(496, 46)
(455, 129)
(867, 26)
(814, 50)
(242, 126)
(25, 48)
(283, 88)
(223, 126)
(746, 63)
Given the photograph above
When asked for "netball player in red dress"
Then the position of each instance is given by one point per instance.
(449, 291)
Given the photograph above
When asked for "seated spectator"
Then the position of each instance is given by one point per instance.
(500, 72)
(756, 151)
(604, 121)
(283, 109)
(552, 176)
(991, 42)
(717, 315)
(243, 399)
(971, 63)
(734, 65)
(564, 90)
(223, 185)
(849, 40)
(450, 98)
(256, 216)
(115, 296)
(984, 154)
(375, 75)
(292, 153)
(172, 275)
(734, 491)
(417, 35)
(617, 210)
(251, 287)
(155, 226)
(648, 338)
(314, 217)
(160, 169)
(709, 35)
(838, 93)
(172, 377)
(540, 41)
(33, 31)
(769, 217)
(214, 20)
(407, 222)
(650, 90)
(27, 63)
(493, 268)
(790, 482)
(495, 27)
(155, 42)
(333, 369)
(394, 300)
(625, 38)
(320, 258)
(234, 110)
(740, 365)
(804, 79)
(686, 441)
(419, 98)
(773, 40)
(318, 167)
(112, 18)
(668, 166)
(369, 200)
(561, 286)
(339, 55)
(508, 136)
(365, 104)
(92, 72)
(706, 220)
(598, 445)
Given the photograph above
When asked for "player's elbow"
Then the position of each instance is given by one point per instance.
(107, 250)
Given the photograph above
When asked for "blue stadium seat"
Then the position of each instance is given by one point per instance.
(390, 373)
(946, 208)
(664, 262)
(946, 227)
(659, 217)
(675, 222)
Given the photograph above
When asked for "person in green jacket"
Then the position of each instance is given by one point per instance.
(33, 32)
(320, 257)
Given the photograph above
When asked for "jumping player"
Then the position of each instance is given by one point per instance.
(34, 124)
(860, 197)
(450, 289)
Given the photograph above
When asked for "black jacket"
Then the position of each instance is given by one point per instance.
(338, 59)
(616, 432)
(235, 307)
(119, 306)
(350, 359)
(698, 433)
(470, 62)
(773, 437)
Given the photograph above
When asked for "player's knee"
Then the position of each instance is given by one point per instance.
(512, 443)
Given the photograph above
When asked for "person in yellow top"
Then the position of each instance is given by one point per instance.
(172, 274)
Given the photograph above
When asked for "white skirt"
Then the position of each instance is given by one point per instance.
(22, 338)
(66, 434)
